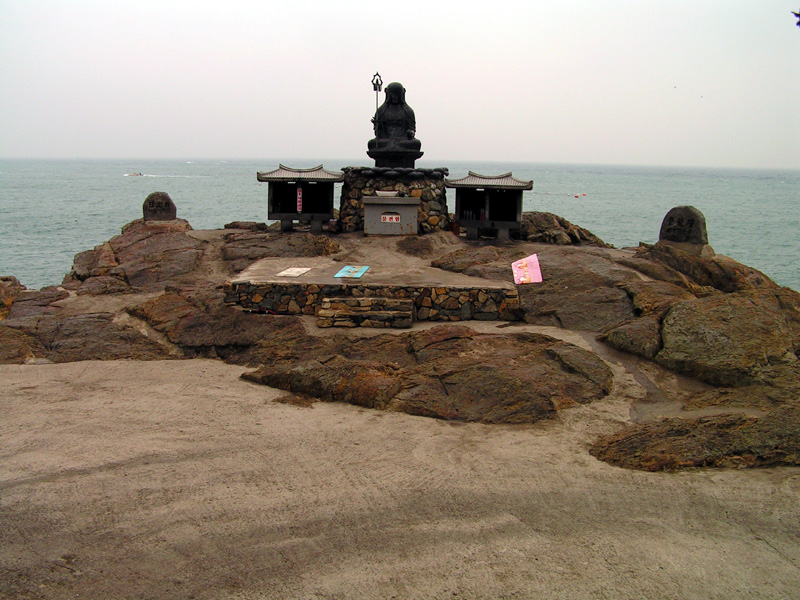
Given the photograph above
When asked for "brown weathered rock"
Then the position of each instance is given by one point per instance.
(334, 379)
(103, 284)
(10, 288)
(730, 339)
(461, 259)
(756, 397)
(92, 336)
(650, 299)
(150, 257)
(720, 441)
(641, 337)
(17, 347)
(720, 272)
(498, 379)
(456, 373)
(146, 256)
(242, 249)
(547, 228)
(748, 338)
(653, 297)
(656, 270)
(581, 290)
(247, 225)
(197, 321)
(98, 262)
(144, 229)
(32, 302)
(415, 245)
(582, 287)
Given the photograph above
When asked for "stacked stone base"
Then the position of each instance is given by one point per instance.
(429, 303)
(397, 313)
(425, 184)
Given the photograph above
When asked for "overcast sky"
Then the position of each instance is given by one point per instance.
(685, 82)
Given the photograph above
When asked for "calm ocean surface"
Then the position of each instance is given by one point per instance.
(52, 209)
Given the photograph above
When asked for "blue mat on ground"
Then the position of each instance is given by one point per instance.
(350, 271)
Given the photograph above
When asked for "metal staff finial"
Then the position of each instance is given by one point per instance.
(377, 85)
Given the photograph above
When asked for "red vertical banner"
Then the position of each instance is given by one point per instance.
(299, 199)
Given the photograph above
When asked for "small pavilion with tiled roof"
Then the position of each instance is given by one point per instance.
(489, 202)
(304, 195)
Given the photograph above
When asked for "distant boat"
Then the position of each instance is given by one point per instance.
(134, 175)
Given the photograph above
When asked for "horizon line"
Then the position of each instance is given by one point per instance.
(270, 160)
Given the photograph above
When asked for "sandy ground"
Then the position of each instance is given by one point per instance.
(176, 479)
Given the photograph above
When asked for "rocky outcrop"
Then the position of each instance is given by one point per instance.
(727, 340)
(10, 288)
(197, 321)
(452, 372)
(711, 318)
(71, 338)
(242, 249)
(145, 256)
(17, 347)
(153, 253)
(156, 291)
(547, 228)
(30, 303)
(581, 287)
(729, 326)
(247, 225)
(150, 255)
(719, 272)
(731, 440)
(462, 259)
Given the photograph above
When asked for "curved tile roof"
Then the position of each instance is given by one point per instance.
(475, 180)
(284, 173)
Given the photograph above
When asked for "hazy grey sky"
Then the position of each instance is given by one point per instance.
(685, 82)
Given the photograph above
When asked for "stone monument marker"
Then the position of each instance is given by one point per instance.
(684, 227)
(158, 206)
(394, 144)
(684, 224)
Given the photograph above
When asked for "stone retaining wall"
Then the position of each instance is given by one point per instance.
(425, 184)
(397, 313)
(430, 303)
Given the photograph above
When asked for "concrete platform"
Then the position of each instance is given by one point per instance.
(387, 266)
(437, 294)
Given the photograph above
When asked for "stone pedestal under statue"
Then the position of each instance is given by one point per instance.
(393, 158)
(427, 185)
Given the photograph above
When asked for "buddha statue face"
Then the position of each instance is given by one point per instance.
(395, 93)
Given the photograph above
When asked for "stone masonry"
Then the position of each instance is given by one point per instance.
(425, 184)
(429, 303)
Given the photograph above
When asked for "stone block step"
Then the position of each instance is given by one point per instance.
(367, 304)
(397, 313)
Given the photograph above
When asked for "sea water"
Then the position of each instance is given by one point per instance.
(52, 209)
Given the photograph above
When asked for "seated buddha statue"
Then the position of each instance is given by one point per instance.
(394, 144)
